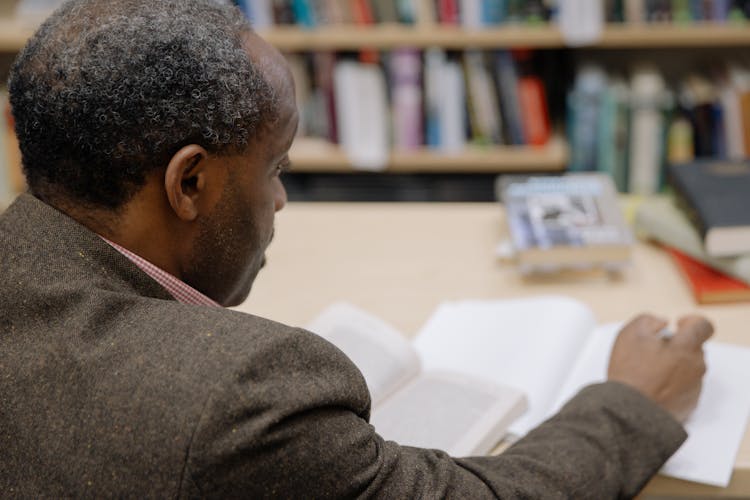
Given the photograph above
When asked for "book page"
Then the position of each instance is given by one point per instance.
(385, 358)
(458, 414)
(715, 428)
(528, 344)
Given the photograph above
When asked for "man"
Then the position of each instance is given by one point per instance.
(153, 135)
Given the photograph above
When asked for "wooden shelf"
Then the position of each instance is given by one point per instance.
(312, 155)
(392, 36)
(13, 36)
(614, 36)
(669, 35)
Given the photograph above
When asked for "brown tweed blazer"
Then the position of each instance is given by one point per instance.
(109, 388)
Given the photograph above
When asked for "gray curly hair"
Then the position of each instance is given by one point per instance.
(106, 92)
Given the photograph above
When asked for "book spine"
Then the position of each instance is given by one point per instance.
(471, 14)
(406, 99)
(493, 12)
(583, 110)
(646, 132)
(720, 10)
(507, 89)
(733, 127)
(448, 11)
(482, 100)
(282, 12)
(406, 11)
(635, 11)
(452, 110)
(533, 100)
(433, 62)
(303, 13)
(680, 141)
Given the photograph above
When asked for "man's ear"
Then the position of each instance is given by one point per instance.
(186, 180)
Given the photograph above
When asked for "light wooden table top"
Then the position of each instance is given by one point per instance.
(399, 261)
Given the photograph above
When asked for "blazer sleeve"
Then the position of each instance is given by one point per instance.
(293, 424)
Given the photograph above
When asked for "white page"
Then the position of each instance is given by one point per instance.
(458, 414)
(529, 344)
(717, 425)
(385, 358)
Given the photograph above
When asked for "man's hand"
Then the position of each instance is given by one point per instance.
(668, 370)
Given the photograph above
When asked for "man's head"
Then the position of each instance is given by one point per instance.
(161, 125)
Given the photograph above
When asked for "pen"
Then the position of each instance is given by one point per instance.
(665, 333)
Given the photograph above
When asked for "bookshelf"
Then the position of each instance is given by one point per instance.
(13, 36)
(310, 155)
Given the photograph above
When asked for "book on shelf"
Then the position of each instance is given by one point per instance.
(583, 111)
(445, 96)
(658, 218)
(497, 342)
(732, 117)
(581, 22)
(571, 221)
(406, 99)
(506, 79)
(647, 96)
(708, 285)
(714, 195)
(534, 110)
(362, 123)
(612, 134)
(699, 99)
(482, 102)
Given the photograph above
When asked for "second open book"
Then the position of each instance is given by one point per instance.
(479, 369)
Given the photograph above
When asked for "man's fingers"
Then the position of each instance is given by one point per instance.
(646, 324)
(693, 331)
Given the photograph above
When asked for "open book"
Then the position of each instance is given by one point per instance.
(453, 411)
(547, 348)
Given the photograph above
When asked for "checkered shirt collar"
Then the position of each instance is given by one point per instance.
(181, 291)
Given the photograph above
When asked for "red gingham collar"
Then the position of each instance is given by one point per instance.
(181, 291)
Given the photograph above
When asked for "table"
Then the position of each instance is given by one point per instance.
(400, 260)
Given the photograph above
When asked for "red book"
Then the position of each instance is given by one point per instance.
(534, 111)
(708, 285)
(448, 11)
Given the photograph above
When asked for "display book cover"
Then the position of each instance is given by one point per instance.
(565, 222)
(709, 286)
(714, 195)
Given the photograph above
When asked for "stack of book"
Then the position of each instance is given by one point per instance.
(631, 128)
(706, 227)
